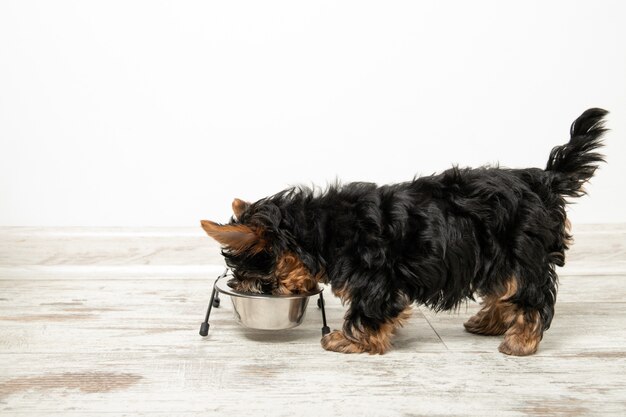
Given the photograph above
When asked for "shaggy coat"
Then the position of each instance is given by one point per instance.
(435, 241)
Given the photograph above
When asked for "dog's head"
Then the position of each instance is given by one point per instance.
(263, 257)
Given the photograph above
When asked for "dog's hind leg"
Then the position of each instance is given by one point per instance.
(524, 335)
(497, 313)
(535, 301)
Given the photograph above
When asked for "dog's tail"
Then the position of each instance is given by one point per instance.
(574, 163)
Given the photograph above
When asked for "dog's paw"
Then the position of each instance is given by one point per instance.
(336, 341)
(481, 325)
(516, 345)
(473, 325)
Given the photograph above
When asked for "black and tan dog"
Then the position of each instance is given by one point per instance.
(434, 241)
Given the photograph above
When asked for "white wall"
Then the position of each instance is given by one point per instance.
(159, 113)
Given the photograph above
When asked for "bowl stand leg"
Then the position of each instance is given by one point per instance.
(213, 302)
(320, 303)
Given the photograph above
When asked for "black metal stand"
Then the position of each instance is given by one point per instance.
(320, 304)
(215, 302)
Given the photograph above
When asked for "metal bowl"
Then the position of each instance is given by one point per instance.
(267, 312)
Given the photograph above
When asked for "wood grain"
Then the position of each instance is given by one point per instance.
(105, 322)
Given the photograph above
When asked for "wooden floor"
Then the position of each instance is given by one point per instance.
(106, 322)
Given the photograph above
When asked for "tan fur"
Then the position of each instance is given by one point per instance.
(523, 330)
(293, 276)
(341, 293)
(569, 239)
(497, 314)
(523, 336)
(237, 237)
(247, 286)
(239, 206)
(336, 341)
(365, 340)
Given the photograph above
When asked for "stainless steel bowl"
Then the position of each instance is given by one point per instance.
(266, 312)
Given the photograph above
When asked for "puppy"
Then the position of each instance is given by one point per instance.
(436, 241)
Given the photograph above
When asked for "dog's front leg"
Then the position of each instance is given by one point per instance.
(364, 333)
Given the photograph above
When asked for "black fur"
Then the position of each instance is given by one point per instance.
(434, 240)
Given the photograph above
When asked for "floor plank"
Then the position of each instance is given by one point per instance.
(312, 383)
(105, 322)
(27, 252)
(155, 315)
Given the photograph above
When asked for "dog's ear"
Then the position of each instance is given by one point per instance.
(237, 237)
(239, 206)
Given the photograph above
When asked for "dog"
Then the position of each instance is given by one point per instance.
(436, 241)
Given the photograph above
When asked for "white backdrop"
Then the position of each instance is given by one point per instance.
(146, 113)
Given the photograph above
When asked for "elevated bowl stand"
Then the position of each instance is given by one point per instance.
(215, 302)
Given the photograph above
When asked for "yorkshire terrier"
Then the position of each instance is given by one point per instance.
(435, 241)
